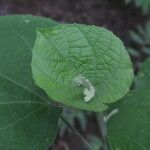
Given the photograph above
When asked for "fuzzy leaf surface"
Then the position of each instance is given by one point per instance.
(65, 52)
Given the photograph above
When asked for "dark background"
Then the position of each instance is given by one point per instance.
(111, 14)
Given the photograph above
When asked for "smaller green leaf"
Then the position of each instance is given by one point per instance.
(89, 56)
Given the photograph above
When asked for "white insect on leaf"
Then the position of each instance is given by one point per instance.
(89, 90)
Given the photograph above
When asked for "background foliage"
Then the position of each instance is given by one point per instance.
(143, 4)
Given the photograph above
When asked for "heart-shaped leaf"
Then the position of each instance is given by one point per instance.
(129, 129)
(27, 121)
(88, 55)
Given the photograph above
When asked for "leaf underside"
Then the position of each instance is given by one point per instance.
(27, 121)
(129, 129)
(65, 52)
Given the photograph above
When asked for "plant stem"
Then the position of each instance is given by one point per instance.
(103, 130)
(112, 113)
(76, 132)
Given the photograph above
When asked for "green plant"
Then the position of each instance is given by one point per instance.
(143, 4)
(85, 67)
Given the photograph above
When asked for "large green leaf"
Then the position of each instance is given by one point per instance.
(67, 52)
(27, 121)
(129, 129)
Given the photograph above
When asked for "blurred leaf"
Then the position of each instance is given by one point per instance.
(146, 50)
(142, 40)
(27, 121)
(141, 31)
(128, 1)
(133, 52)
(137, 38)
(143, 4)
(139, 3)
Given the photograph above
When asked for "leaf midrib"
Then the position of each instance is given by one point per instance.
(94, 58)
(48, 41)
(22, 118)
